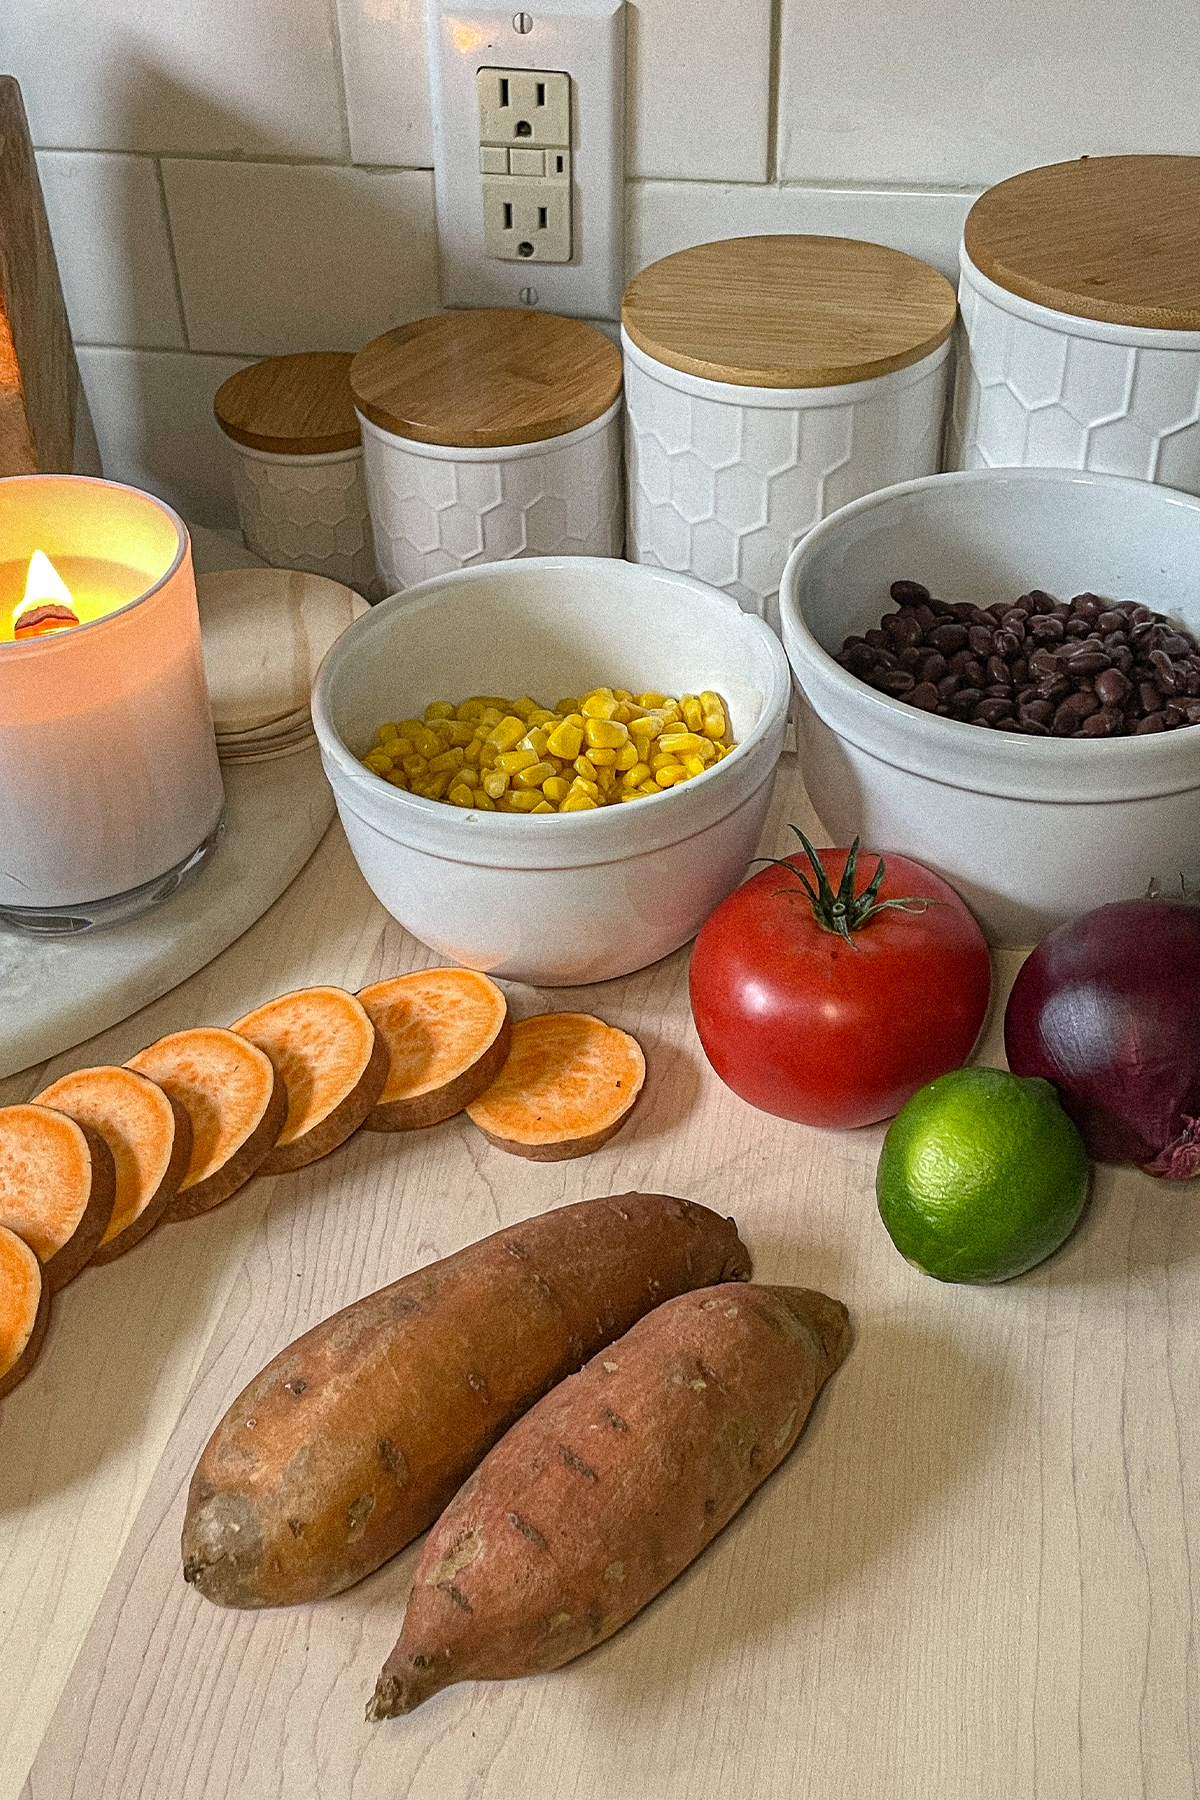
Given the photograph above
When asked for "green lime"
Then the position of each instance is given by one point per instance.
(981, 1176)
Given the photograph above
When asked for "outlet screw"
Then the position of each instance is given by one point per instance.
(528, 296)
(523, 22)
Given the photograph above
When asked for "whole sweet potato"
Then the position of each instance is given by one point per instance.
(603, 1493)
(352, 1440)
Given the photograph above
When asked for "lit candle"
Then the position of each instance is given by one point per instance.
(110, 789)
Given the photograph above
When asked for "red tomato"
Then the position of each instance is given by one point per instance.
(807, 1026)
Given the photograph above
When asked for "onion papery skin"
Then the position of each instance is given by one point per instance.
(1108, 1009)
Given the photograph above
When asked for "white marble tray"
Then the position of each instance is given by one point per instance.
(55, 992)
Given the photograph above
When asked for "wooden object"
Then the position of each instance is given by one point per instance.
(1115, 238)
(788, 312)
(291, 405)
(484, 379)
(39, 381)
(970, 1578)
(264, 633)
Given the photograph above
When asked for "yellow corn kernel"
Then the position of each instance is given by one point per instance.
(495, 783)
(378, 762)
(598, 705)
(449, 759)
(544, 806)
(650, 787)
(634, 777)
(535, 740)
(679, 743)
(439, 709)
(533, 776)
(397, 779)
(541, 715)
(426, 743)
(630, 794)
(483, 801)
(488, 754)
(693, 764)
(470, 710)
(524, 801)
(472, 752)
(556, 788)
(627, 756)
(643, 731)
(508, 732)
(652, 700)
(664, 762)
(566, 740)
(621, 694)
(605, 734)
(461, 796)
(707, 751)
(582, 786)
(387, 731)
(692, 711)
(577, 802)
(434, 786)
(524, 708)
(564, 708)
(583, 765)
(410, 727)
(415, 766)
(492, 716)
(602, 759)
(513, 761)
(606, 781)
(460, 731)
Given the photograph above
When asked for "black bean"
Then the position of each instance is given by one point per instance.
(895, 682)
(1036, 712)
(992, 711)
(924, 695)
(998, 671)
(1152, 722)
(1149, 696)
(933, 667)
(909, 658)
(1044, 602)
(1088, 662)
(980, 638)
(1164, 672)
(908, 590)
(948, 638)
(947, 685)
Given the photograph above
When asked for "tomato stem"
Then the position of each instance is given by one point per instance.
(842, 913)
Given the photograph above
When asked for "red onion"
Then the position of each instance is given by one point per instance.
(1108, 1009)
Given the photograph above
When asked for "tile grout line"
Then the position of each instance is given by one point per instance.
(173, 259)
(335, 21)
(774, 55)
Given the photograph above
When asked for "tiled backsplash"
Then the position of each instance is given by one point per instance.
(228, 180)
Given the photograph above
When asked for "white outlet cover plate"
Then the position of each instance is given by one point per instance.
(586, 39)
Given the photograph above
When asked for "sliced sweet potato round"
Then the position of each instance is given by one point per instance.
(24, 1309)
(569, 1082)
(149, 1134)
(57, 1187)
(447, 1035)
(236, 1100)
(333, 1061)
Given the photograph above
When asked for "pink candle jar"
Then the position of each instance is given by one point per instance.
(110, 789)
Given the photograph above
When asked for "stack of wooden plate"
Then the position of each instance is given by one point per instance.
(264, 633)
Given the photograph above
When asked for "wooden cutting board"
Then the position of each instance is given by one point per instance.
(39, 379)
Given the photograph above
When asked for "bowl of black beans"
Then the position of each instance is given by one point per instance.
(998, 672)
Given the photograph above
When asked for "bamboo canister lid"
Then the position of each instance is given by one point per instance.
(292, 405)
(483, 379)
(788, 312)
(1115, 238)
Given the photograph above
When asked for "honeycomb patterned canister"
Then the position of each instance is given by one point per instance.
(490, 434)
(1080, 300)
(768, 381)
(297, 466)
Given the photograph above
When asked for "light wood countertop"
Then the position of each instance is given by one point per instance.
(972, 1579)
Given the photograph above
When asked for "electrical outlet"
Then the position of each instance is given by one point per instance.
(528, 111)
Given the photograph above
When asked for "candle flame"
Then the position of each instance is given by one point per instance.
(47, 605)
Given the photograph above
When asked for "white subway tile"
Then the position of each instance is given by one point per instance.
(273, 258)
(153, 412)
(109, 228)
(387, 82)
(198, 77)
(663, 216)
(926, 92)
(699, 89)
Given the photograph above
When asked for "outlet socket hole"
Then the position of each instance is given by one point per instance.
(558, 165)
(541, 93)
(524, 128)
(542, 219)
(525, 249)
(504, 93)
(507, 216)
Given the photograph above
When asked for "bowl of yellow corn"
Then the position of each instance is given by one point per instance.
(553, 768)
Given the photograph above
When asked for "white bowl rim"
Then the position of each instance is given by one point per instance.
(1044, 755)
(573, 829)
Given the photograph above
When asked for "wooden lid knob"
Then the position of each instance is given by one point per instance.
(1115, 238)
(486, 378)
(787, 311)
(292, 405)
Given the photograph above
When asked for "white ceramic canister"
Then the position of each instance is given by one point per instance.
(769, 381)
(487, 435)
(1080, 334)
(297, 464)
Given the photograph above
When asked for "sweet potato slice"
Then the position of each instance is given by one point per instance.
(24, 1309)
(236, 1101)
(334, 1064)
(352, 1440)
(57, 1187)
(149, 1134)
(447, 1035)
(570, 1081)
(611, 1486)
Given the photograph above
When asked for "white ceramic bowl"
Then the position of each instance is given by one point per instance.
(1031, 831)
(581, 896)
